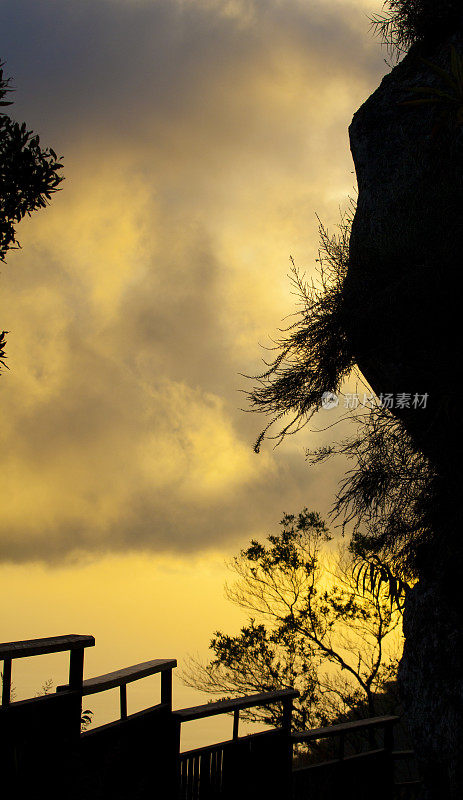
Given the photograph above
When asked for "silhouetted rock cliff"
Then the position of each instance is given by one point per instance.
(403, 314)
(406, 249)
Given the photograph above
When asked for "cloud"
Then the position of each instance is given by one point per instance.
(93, 67)
(198, 140)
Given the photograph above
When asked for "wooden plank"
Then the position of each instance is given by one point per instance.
(400, 755)
(111, 680)
(128, 759)
(38, 647)
(166, 687)
(367, 755)
(287, 713)
(313, 767)
(123, 699)
(224, 706)
(196, 773)
(6, 676)
(208, 748)
(408, 784)
(355, 757)
(76, 668)
(362, 776)
(102, 730)
(236, 722)
(345, 727)
(228, 744)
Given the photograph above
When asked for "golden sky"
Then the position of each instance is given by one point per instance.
(199, 138)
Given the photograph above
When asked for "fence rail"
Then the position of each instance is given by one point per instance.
(121, 759)
(247, 766)
(346, 727)
(72, 642)
(363, 774)
(120, 678)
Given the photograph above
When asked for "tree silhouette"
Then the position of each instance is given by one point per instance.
(405, 22)
(312, 628)
(29, 175)
(386, 495)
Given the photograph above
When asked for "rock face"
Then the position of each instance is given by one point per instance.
(402, 304)
(403, 314)
(431, 682)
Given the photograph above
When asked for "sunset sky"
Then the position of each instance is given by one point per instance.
(199, 140)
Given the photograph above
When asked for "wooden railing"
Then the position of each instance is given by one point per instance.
(114, 760)
(39, 647)
(122, 758)
(248, 766)
(283, 696)
(343, 729)
(31, 730)
(120, 678)
(119, 759)
(367, 773)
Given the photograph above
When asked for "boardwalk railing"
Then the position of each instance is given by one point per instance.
(38, 647)
(44, 753)
(33, 731)
(334, 771)
(246, 767)
(122, 677)
(118, 760)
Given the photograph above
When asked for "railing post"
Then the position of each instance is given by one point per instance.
(6, 688)
(388, 759)
(342, 739)
(288, 745)
(123, 698)
(176, 766)
(236, 722)
(76, 677)
(287, 713)
(76, 668)
(166, 687)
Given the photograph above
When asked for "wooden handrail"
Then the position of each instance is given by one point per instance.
(225, 706)
(101, 683)
(208, 748)
(39, 647)
(401, 755)
(73, 643)
(343, 728)
(120, 678)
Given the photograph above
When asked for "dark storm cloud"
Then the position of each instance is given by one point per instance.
(96, 65)
(198, 138)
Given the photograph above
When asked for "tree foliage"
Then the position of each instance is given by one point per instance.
(388, 491)
(311, 627)
(29, 175)
(313, 355)
(404, 22)
(385, 496)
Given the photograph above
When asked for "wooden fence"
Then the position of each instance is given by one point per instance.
(361, 775)
(44, 753)
(245, 767)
